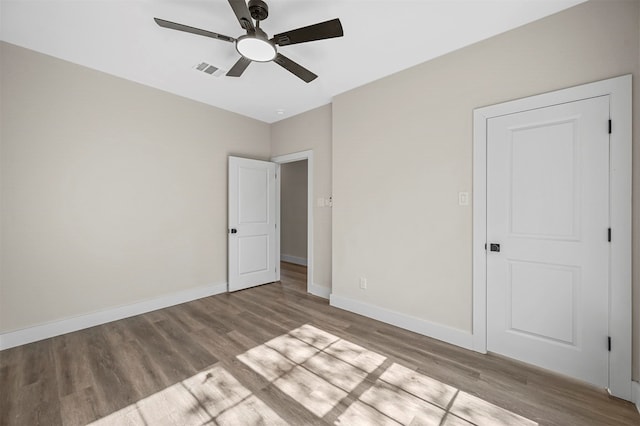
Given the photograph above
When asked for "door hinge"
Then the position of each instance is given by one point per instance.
(609, 343)
(610, 126)
(609, 234)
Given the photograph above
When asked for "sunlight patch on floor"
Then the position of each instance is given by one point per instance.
(480, 412)
(417, 384)
(336, 380)
(335, 371)
(340, 381)
(315, 368)
(309, 390)
(212, 395)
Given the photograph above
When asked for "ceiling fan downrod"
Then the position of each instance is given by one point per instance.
(259, 10)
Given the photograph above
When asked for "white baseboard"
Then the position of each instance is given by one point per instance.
(426, 328)
(320, 291)
(293, 259)
(635, 394)
(68, 325)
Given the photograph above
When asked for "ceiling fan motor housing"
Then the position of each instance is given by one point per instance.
(258, 9)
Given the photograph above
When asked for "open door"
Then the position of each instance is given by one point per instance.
(252, 238)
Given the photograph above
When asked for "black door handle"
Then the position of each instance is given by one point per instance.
(494, 247)
(233, 231)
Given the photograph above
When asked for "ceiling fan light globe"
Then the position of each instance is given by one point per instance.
(256, 48)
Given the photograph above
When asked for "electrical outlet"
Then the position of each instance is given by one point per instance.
(363, 283)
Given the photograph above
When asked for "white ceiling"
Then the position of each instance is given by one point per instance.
(381, 37)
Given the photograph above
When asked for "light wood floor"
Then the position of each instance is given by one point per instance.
(276, 355)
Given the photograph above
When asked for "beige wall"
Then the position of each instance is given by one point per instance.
(112, 192)
(312, 131)
(402, 150)
(293, 210)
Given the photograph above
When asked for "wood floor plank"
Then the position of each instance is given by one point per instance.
(145, 377)
(182, 318)
(43, 405)
(81, 407)
(112, 383)
(276, 354)
(37, 362)
(33, 383)
(168, 359)
(189, 348)
(199, 311)
(10, 357)
(70, 353)
(218, 344)
(9, 386)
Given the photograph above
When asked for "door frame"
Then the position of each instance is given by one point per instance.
(291, 158)
(620, 304)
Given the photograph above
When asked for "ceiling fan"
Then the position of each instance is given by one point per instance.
(256, 45)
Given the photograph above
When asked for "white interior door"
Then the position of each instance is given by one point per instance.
(548, 209)
(252, 236)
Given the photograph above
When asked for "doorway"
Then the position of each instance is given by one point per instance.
(283, 161)
(293, 222)
(520, 285)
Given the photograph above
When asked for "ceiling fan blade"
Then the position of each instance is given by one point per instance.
(241, 10)
(238, 68)
(192, 30)
(321, 31)
(295, 68)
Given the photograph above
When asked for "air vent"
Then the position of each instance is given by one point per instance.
(209, 69)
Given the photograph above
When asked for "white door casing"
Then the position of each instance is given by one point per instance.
(289, 158)
(253, 252)
(548, 209)
(619, 292)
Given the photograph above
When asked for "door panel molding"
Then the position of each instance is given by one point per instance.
(620, 309)
(545, 181)
(252, 221)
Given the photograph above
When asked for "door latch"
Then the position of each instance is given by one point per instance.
(494, 247)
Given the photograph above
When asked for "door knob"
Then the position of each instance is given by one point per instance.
(233, 231)
(494, 247)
